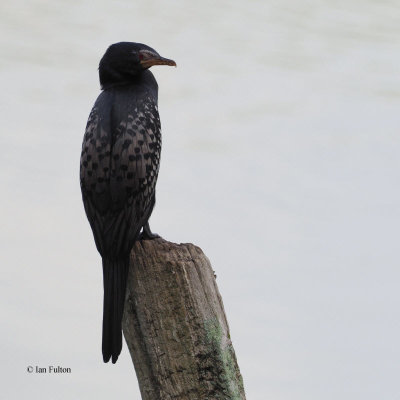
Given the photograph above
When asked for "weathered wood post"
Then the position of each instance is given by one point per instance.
(175, 325)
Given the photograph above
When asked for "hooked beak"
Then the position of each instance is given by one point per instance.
(157, 60)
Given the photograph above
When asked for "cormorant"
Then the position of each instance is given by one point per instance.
(118, 170)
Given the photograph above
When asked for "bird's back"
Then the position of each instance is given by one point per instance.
(119, 164)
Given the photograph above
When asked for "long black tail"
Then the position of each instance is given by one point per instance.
(115, 273)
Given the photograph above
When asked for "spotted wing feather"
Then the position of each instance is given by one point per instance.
(119, 168)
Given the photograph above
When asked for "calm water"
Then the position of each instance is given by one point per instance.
(280, 159)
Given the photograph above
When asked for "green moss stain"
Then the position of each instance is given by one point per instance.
(213, 332)
(225, 361)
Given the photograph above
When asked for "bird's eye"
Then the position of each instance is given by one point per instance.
(140, 56)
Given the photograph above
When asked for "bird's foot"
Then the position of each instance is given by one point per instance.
(147, 234)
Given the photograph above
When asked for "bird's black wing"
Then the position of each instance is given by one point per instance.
(119, 167)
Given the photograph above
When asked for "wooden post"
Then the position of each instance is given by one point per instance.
(175, 325)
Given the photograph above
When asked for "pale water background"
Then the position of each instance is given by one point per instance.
(280, 159)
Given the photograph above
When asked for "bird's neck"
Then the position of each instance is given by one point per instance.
(110, 80)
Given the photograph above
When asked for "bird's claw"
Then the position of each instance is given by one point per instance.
(147, 234)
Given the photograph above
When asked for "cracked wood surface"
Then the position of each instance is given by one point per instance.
(175, 325)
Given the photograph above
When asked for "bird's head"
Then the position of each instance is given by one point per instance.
(124, 61)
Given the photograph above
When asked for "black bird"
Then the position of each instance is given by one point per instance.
(118, 170)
